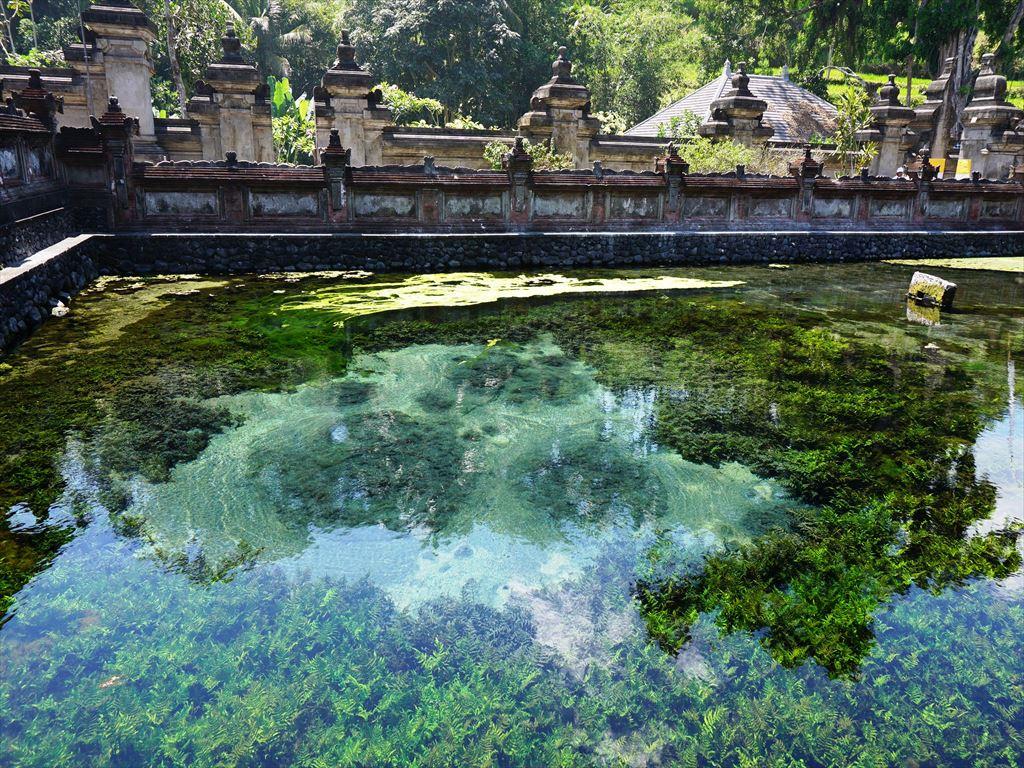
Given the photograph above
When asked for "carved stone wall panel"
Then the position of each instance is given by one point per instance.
(833, 207)
(366, 205)
(700, 207)
(560, 206)
(174, 203)
(646, 207)
(269, 204)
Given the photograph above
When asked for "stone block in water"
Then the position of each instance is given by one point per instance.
(929, 289)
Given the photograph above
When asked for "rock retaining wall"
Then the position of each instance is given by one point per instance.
(221, 254)
(29, 292)
(21, 239)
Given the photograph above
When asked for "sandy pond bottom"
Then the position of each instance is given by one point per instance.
(703, 517)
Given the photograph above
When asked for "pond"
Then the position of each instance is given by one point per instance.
(717, 516)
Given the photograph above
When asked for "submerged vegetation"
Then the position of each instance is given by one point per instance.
(301, 533)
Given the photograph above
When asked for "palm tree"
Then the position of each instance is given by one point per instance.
(273, 27)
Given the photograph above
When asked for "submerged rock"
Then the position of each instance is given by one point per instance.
(932, 290)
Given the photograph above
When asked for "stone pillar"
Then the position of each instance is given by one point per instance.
(263, 126)
(991, 139)
(925, 125)
(336, 162)
(123, 34)
(889, 121)
(116, 131)
(90, 95)
(519, 166)
(806, 172)
(675, 170)
(346, 102)
(738, 114)
(203, 108)
(560, 113)
(230, 106)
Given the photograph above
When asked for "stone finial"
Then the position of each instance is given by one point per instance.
(741, 81)
(989, 86)
(808, 167)
(561, 68)
(334, 155)
(35, 101)
(232, 46)
(114, 120)
(346, 53)
(889, 93)
(988, 64)
(231, 159)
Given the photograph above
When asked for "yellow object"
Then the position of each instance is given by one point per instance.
(939, 164)
(963, 169)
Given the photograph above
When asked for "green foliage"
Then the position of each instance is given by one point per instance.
(543, 157)
(680, 126)
(854, 108)
(35, 58)
(709, 156)
(611, 122)
(463, 55)
(408, 108)
(463, 123)
(294, 122)
(165, 98)
(631, 54)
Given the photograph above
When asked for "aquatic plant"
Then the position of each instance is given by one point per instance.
(880, 624)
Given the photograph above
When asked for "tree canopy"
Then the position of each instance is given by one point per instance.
(481, 59)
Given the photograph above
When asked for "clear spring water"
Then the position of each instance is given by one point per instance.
(428, 554)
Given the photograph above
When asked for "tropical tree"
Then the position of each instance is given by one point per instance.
(464, 53)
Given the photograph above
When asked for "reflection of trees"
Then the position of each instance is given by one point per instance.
(882, 442)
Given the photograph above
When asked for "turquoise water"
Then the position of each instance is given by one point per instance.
(431, 557)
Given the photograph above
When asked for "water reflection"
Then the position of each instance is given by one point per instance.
(434, 466)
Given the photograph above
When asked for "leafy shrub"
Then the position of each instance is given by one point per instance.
(294, 122)
(544, 158)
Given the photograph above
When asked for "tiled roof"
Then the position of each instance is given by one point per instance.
(795, 113)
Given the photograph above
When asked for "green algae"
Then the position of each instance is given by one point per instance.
(993, 264)
(473, 288)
